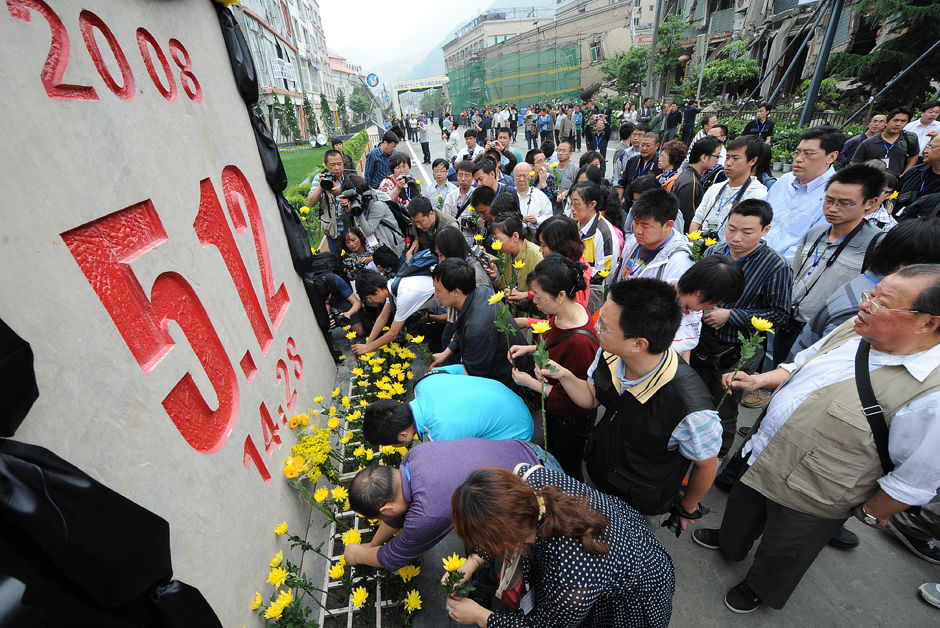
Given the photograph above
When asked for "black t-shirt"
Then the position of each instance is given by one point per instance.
(754, 127)
(898, 153)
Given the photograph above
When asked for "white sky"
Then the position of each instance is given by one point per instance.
(386, 37)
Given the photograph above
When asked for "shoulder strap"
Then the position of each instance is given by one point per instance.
(571, 333)
(870, 406)
(871, 249)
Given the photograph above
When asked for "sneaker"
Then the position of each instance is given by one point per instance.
(742, 599)
(930, 591)
(843, 539)
(925, 550)
(744, 430)
(706, 537)
(756, 399)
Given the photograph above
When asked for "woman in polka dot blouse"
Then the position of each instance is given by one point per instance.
(587, 559)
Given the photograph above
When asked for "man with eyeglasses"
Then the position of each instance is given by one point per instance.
(815, 458)
(831, 254)
(919, 188)
(689, 188)
(646, 163)
(797, 196)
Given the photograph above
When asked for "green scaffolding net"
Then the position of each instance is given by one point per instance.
(524, 78)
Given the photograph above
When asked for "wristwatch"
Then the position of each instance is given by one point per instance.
(869, 519)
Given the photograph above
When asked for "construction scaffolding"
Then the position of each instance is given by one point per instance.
(523, 78)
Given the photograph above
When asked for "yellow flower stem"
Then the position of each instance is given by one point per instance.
(309, 497)
(752, 339)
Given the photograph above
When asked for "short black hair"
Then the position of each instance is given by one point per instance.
(626, 130)
(649, 309)
(868, 177)
(590, 191)
(372, 488)
(750, 144)
(830, 138)
(357, 183)
(450, 243)
(560, 234)
(470, 133)
(384, 419)
(455, 274)
(547, 147)
(765, 105)
(652, 135)
(331, 153)
(369, 282)
(335, 140)
(487, 165)
(590, 156)
(705, 146)
(390, 137)
(439, 162)
(509, 223)
(556, 273)
(911, 242)
(755, 207)
(419, 205)
(398, 158)
(483, 195)
(723, 127)
(720, 278)
(506, 203)
(930, 105)
(643, 184)
(503, 129)
(465, 165)
(658, 204)
(530, 155)
(902, 109)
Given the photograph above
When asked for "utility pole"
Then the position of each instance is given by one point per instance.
(821, 62)
(701, 72)
(655, 42)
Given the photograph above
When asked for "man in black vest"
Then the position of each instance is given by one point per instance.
(659, 415)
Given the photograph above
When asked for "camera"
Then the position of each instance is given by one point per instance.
(328, 181)
(477, 251)
(468, 223)
(406, 179)
(339, 316)
(356, 199)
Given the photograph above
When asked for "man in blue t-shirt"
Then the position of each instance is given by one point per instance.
(449, 405)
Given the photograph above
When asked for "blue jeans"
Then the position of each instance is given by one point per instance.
(546, 459)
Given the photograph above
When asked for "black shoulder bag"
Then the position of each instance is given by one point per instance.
(870, 406)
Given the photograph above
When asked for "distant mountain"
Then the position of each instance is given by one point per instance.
(431, 65)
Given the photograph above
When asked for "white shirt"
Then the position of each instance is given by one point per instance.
(454, 199)
(534, 202)
(914, 434)
(433, 190)
(717, 202)
(920, 131)
(466, 153)
(413, 292)
(689, 332)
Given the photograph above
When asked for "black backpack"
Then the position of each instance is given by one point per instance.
(422, 263)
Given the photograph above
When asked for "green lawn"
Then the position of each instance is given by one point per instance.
(300, 163)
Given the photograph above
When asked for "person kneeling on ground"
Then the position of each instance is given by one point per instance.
(404, 297)
(586, 558)
(449, 405)
(415, 498)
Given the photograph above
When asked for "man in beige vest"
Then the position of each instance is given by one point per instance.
(813, 461)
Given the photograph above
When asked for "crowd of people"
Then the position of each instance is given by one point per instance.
(644, 276)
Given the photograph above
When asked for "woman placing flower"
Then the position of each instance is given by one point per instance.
(571, 341)
(587, 559)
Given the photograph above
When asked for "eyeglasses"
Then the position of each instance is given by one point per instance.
(929, 148)
(718, 156)
(805, 153)
(874, 307)
(603, 330)
(843, 203)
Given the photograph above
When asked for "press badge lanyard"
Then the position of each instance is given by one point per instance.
(746, 257)
(640, 173)
(646, 260)
(760, 128)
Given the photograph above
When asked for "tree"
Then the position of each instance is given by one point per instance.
(313, 127)
(327, 114)
(918, 25)
(670, 35)
(432, 101)
(341, 110)
(291, 126)
(627, 67)
(732, 69)
(360, 102)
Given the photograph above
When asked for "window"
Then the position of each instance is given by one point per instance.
(637, 4)
(492, 40)
(596, 54)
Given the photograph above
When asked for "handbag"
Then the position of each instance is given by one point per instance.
(870, 406)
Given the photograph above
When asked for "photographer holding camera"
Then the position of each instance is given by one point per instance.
(325, 190)
(400, 186)
(372, 215)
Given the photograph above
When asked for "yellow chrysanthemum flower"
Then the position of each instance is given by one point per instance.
(762, 324)
(345, 402)
(478, 238)
(387, 449)
(496, 245)
(604, 273)
(363, 403)
(496, 298)
(305, 420)
(320, 495)
(351, 335)
(277, 576)
(418, 339)
(332, 423)
(341, 560)
(453, 562)
(332, 411)
(358, 372)
(355, 415)
(518, 264)
(335, 393)
(294, 466)
(347, 327)
(337, 571)
(318, 399)
(359, 596)
(256, 603)
(540, 327)
(710, 241)
(369, 454)
(277, 559)
(413, 601)
(402, 450)
(694, 235)
(281, 529)
(339, 493)
(294, 422)
(346, 437)
(408, 572)
(351, 537)
(359, 451)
